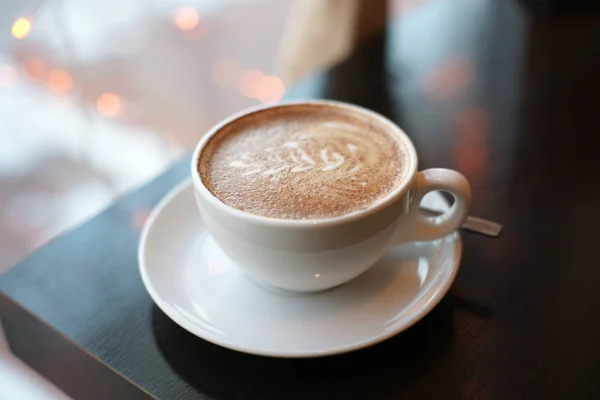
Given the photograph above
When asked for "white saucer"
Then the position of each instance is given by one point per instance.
(199, 288)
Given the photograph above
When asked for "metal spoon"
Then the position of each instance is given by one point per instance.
(473, 224)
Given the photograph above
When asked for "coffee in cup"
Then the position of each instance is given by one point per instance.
(303, 162)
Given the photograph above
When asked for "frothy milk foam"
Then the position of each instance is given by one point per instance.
(302, 162)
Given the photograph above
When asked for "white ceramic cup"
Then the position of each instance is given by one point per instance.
(313, 255)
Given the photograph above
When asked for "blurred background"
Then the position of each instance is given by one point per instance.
(98, 97)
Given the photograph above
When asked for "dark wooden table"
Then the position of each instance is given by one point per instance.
(504, 94)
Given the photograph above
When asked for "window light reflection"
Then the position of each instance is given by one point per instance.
(8, 75)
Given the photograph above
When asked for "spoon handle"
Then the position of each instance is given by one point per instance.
(474, 224)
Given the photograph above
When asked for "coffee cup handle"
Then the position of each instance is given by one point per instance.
(417, 227)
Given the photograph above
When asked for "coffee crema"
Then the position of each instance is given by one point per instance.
(302, 162)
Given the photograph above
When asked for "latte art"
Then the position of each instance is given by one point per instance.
(301, 164)
(325, 150)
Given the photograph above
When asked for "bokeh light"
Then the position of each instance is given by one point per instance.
(225, 73)
(472, 146)
(269, 89)
(21, 28)
(450, 78)
(35, 69)
(399, 7)
(8, 75)
(139, 218)
(108, 104)
(60, 82)
(186, 18)
(248, 82)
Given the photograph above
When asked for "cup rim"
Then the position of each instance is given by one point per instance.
(387, 200)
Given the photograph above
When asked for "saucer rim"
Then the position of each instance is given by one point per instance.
(438, 294)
